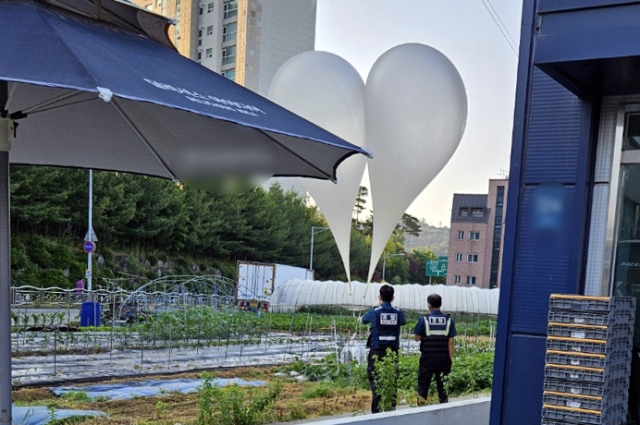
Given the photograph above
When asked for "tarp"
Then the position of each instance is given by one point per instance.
(128, 390)
(40, 415)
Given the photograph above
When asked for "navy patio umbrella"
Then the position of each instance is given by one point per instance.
(98, 85)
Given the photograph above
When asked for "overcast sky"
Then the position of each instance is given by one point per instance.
(361, 30)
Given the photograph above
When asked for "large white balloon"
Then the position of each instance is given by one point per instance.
(416, 112)
(326, 90)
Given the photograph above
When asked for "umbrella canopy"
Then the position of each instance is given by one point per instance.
(124, 14)
(80, 92)
(90, 94)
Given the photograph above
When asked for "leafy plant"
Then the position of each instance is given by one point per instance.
(162, 408)
(79, 396)
(25, 320)
(60, 316)
(296, 412)
(386, 379)
(318, 391)
(72, 420)
(470, 373)
(234, 406)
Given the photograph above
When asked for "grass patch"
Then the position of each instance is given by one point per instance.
(78, 396)
(318, 391)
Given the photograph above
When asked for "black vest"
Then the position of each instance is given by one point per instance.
(436, 338)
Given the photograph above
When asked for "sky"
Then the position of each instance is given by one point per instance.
(362, 30)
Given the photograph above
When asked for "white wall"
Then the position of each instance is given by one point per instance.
(466, 412)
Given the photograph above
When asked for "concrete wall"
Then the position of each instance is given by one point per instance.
(466, 412)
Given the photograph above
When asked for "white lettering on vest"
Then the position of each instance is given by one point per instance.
(389, 319)
(437, 320)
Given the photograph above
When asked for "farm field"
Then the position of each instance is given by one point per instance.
(309, 364)
(295, 391)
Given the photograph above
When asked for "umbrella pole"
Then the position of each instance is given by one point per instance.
(6, 132)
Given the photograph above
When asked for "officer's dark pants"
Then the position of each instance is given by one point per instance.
(375, 400)
(433, 364)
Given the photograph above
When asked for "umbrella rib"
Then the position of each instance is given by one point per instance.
(274, 140)
(46, 103)
(138, 133)
(55, 108)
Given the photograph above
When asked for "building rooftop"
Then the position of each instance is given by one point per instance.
(469, 209)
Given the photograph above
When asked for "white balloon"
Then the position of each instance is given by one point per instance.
(416, 112)
(326, 90)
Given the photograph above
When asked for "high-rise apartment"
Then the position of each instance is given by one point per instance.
(245, 40)
(476, 237)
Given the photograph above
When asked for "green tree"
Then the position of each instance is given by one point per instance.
(360, 255)
(410, 225)
(39, 198)
(114, 206)
(417, 267)
(159, 217)
(361, 200)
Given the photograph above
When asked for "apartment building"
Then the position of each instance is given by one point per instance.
(476, 237)
(245, 40)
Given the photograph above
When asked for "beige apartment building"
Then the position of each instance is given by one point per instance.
(476, 237)
(245, 40)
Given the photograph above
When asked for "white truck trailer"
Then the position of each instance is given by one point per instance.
(257, 281)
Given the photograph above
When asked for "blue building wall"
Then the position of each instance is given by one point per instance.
(552, 142)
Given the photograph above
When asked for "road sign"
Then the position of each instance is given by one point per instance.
(438, 268)
(89, 246)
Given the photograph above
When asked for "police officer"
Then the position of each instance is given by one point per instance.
(435, 331)
(386, 322)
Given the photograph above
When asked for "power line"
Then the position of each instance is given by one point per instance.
(501, 27)
(495, 12)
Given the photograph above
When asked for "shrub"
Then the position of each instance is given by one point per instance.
(386, 378)
(19, 257)
(234, 406)
(153, 260)
(79, 396)
(318, 391)
(38, 253)
(296, 412)
(227, 269)
(53, 277)
(470, 373)
(60, 255)
(77, 268)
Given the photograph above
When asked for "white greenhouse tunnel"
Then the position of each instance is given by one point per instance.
(295, 294)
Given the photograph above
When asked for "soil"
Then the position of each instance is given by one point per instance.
(182, 408)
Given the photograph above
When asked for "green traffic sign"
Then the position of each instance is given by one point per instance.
(437, 268)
